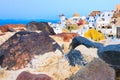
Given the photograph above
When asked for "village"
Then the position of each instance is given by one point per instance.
(98, 25)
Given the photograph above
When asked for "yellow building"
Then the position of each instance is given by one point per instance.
(94, 35)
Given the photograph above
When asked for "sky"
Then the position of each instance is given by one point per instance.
(50, 9)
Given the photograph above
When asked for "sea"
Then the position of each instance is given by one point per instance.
(21, 21)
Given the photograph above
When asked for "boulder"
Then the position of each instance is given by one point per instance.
(12, 27)
(95, 70)
(55, 65)
(79, 40)
(111, 55)
(42, 26)
(18, 50)
(88, 53)
(3, 29)
(29, 76)
(75, 57)
(5, 36)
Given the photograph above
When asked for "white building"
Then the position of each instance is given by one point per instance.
(56, 27)
(62, 21)
(83, 30)
(104, 19)
(75, 18)
(91, 20)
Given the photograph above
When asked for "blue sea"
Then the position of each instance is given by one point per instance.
(20, 21)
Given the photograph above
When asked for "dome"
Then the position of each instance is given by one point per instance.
(76, 15)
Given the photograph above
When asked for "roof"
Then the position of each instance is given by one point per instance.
(76, 15)
(94, 13)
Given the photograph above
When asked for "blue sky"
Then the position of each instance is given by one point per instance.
(50, 9)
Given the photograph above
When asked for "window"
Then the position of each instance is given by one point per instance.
(98, 14)
(108, 14)
(103, 19)
(109, 27)
(103, 26)
(103, 15)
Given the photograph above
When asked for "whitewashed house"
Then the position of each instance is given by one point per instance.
(75, 18)
(103, 23)
(56, 27)
(104, 19)
(83, 30)
(91, 20)
(62, 21)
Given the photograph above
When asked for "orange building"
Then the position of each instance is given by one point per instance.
(94, 13)
(117, 7)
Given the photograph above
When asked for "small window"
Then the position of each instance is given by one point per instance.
(109, 27)
(98, 14)
(103, 15)
(108, 14)
(103, 26)
(103, 19)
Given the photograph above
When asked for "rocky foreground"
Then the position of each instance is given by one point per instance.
(27, 55)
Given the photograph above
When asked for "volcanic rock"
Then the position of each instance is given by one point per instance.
(42, 26)
(5, 36)
(88, 53)
(29, 76)
(75, 57)
(12, 27)
(95, 70)
(111, 55)
(18, 50)
(79, 40)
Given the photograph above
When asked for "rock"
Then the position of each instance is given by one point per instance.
(29, 76)
(43, 26)
(1, 33)
(79, 40)
(75, 57)
(55, 65)
(3, 29)
(11, 27)
(52, 64)
(21, 48)
(95, 70)
(64, 44)
(88, 53)
(11, 30)
(67, 36)
(5, 36)
(111, 55)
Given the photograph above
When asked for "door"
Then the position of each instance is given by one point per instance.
(118, 32)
